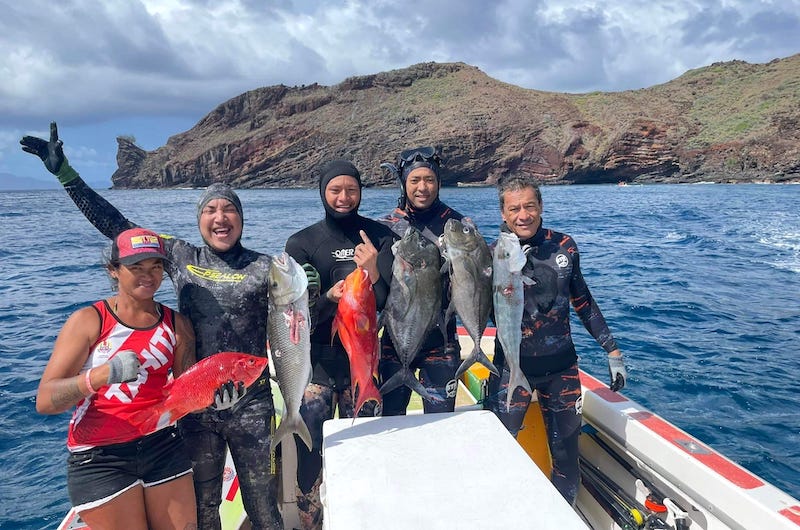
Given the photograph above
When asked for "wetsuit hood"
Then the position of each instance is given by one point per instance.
(330, 171)
(220, 190)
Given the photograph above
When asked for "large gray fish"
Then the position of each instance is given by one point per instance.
(470, 263)
(414, 305)
(289, 328)
(509, 301)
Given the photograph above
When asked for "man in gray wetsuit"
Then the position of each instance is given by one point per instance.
(222, 289)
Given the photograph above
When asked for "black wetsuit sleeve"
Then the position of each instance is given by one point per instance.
(587, 309)
(385, 259)
(103, 216)
(323, 309)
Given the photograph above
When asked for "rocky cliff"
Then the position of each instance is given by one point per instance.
(728, 122)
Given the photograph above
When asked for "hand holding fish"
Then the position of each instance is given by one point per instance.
(335, 293)
(366, 256)
(228, 395)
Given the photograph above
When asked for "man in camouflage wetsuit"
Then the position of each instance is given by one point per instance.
(222, 289)
(418, 171)
(547, 354)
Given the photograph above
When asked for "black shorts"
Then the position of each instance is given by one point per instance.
(97, 475)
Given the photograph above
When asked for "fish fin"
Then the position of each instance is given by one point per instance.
(362, 322)
(290, 425)
(360, 396)
(516, 379)
(334, 327)
(149, 419)
(527, 281)
(477, 356)
(406, 377)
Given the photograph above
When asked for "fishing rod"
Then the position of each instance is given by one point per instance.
(618, 513)
(621, 512)
(655, 500)
(623, 498)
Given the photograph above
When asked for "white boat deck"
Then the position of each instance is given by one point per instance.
(460, 470)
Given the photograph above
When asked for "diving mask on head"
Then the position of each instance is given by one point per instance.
(411, 159)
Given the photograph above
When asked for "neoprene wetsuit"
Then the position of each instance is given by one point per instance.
(437, 364)
(224, 295)
(329, 246)
(547, 353)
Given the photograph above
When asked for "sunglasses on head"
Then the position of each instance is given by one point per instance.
(418, 154)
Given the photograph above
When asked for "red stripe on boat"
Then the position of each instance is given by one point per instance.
(721, 465)
(234, 488)
(601, 389)
(792, 513)
(488, 332)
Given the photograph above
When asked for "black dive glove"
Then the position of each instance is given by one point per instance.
(51, 153)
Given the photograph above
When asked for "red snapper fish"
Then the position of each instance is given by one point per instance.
(194, 389)
(356, 321)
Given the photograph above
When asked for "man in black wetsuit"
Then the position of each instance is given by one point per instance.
(547, 354)
(418, 171)
(330, 249)
(222, 289)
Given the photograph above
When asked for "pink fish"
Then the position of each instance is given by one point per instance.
(356, 321)
(194, 389)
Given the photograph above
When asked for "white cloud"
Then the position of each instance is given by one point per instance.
(90, 61)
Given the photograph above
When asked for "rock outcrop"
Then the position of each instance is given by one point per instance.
(729, 122)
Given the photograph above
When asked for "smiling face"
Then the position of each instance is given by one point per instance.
(421, 188)
(220, 224)
(140, 280)
(343, 194)
(522, 212)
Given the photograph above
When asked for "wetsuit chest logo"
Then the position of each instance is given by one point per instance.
(562, 261)
(343, 254)
(215, 276)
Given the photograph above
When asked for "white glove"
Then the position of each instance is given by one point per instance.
(228, 395)
(616, 369)
(123, 367)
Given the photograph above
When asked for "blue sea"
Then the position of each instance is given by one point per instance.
(700, 284)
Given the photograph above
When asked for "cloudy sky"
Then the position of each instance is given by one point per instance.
(153, 68)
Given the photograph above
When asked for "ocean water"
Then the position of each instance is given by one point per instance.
(700, 284)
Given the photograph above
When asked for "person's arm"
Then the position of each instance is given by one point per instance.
(594, 322)
(185, 347)
(385, 261)
(103, 216)
(63, 385)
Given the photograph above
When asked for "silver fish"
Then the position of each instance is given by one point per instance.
(509, 299)
(413, 306)
(470, 263)
(289, 328)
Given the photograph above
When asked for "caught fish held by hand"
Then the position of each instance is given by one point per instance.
(414, 306)
(470, 263)
(289, 328)
(508, 280)
(194, 389)
(356, 322)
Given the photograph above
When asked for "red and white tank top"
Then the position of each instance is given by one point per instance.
(102, 418)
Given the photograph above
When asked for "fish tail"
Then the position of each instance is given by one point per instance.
(406, 377)
(291, 424)
(516, 379)
(370, 393)
(477, 356)
(396, 381)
